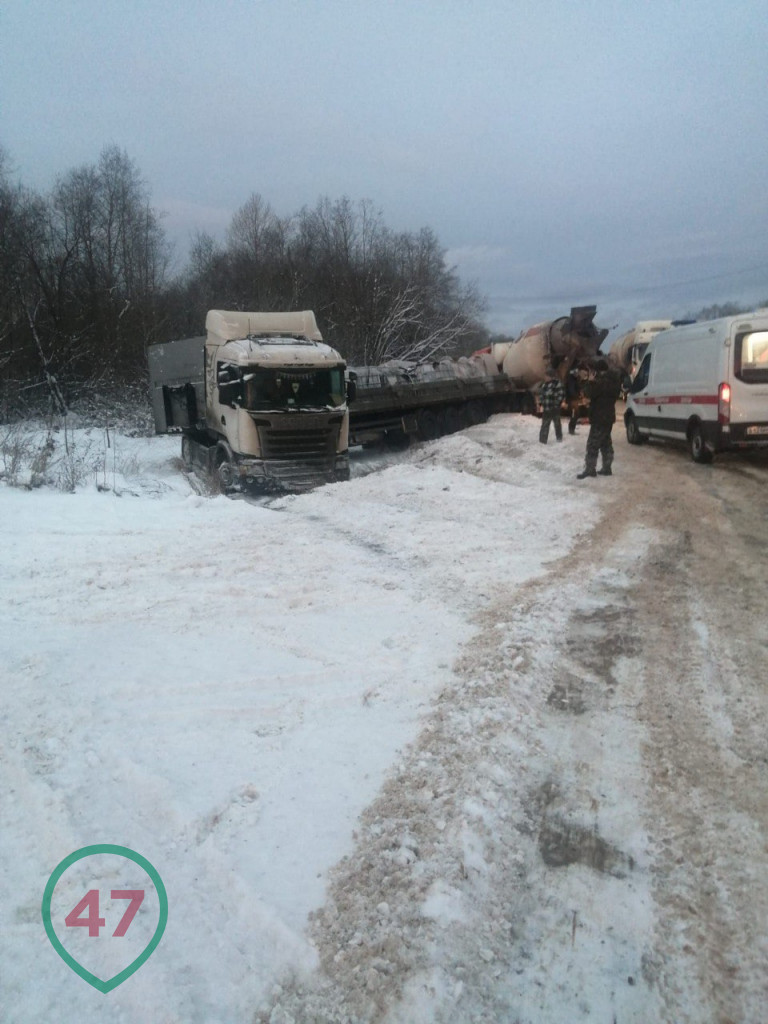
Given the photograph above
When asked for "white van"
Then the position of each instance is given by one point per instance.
(704, 383)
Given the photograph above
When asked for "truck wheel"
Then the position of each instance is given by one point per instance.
(225, 473)
(633, 434)
(699, 451)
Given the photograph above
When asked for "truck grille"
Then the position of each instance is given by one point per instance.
(298, 443)
(303, 437)
(298, 452)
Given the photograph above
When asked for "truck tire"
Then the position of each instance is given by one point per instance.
(451, 420)
(429, 425)
(633, 432)
(396, 439)
(225, 472)
(699, 451)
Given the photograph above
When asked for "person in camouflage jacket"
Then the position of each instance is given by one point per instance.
(551, 398)
(603, 391)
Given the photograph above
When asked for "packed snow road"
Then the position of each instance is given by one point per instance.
(462, 740)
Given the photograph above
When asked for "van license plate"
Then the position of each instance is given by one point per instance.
(757, 430)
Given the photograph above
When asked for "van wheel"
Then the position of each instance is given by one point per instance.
(633, 434)
(699, 451)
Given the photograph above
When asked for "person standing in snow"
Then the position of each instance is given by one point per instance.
(551, 397)
(603, 391)
(575, 399)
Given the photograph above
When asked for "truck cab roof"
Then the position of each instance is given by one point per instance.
(234, 325)
(278, 338)
(278, 350)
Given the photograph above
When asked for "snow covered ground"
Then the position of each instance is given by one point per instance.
(223, 687)
(334, 723)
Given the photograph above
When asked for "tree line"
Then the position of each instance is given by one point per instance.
(86, 281)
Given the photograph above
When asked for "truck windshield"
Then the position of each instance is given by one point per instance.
(751, 357)
(293, 389)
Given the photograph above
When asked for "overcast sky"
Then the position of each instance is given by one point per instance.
(602, 151)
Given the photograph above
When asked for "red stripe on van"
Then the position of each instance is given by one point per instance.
(678, 400)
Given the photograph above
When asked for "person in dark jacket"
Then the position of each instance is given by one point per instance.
(603, 391)
(578, 406)
(551, 398)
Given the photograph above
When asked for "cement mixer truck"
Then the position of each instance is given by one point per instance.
(567, 343)
(627, 351)
(563, 343)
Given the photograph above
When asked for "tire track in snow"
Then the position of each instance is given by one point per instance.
(448, 907)
(580, 830)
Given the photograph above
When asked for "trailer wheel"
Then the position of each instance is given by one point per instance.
(428, 424)
(699, 451)
(396, 439)
(451, 420)
(633, 433)
(476, 413)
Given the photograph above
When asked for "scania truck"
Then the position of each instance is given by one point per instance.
(259, 400)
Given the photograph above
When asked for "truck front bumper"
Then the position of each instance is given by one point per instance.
(292, 475)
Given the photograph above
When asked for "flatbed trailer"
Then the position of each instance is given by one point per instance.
(396, 412)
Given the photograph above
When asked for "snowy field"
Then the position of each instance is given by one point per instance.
(223, 687)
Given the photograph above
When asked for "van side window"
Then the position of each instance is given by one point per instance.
(750, 357)
(640, 383)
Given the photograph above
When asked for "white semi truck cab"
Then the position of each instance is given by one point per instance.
(260, 400)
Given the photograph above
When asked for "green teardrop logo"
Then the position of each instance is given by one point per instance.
(86, 912)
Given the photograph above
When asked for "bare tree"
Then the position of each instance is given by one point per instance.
(82, 276)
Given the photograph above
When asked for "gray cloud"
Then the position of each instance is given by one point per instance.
(563, 153)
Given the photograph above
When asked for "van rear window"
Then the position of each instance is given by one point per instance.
(750, 362)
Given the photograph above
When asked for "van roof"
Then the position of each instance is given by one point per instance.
(722, 325)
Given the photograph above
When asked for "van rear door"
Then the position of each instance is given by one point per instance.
(747, 410)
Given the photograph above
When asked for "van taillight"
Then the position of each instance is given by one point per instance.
(724, 403)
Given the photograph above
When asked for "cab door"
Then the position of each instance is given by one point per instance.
(645, 413)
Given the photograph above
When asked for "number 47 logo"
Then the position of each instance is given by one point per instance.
(93, 922)
(87, 913)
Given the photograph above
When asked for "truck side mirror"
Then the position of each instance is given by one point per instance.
(351, 390)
